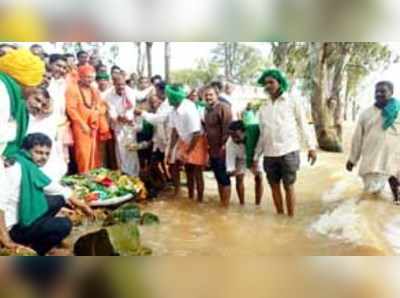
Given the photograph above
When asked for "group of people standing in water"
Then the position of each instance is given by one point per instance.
(59, 116)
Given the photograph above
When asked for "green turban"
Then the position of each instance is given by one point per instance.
(175, 94)
(277, 75)
(102, 76)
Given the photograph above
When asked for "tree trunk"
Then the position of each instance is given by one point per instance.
(355, 110)
(149, 46)
(280, 54)
(322, 108)
(140, 59)
(167, 53)
(227, 54)
(347, 101)
(231, 59)
(338, 86)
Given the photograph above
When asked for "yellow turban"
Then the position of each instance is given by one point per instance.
(23, 66)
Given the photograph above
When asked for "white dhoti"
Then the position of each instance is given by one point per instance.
(128, 160)
(374, 183)
(376, 150)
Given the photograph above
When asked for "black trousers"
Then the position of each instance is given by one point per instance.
(47, 232)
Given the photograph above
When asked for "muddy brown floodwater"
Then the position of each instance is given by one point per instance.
(330, 219)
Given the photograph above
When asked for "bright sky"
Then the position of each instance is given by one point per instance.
(366, 97)
(183, 54)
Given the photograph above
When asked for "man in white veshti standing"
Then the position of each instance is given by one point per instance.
(376, 142)
(121, 102)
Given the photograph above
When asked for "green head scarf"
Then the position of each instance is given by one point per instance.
(102, 76)
(277, 75)
(175, 94)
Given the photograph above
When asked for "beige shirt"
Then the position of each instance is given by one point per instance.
(282, 123)
(377, 150)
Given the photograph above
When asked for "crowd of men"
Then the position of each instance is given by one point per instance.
(62, 114)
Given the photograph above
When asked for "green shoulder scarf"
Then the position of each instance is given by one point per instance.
(390, 113)
(249, 118)
(18, 111)
(32, 203)
(252, 134)
(200, 106)
(148, 128)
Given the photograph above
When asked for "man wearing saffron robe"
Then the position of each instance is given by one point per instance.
(87, 112)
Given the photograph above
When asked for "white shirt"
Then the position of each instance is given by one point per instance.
(125, 134)
(234, 152)
(159, 120)
(186, 120)
(280, 124)
(377, 150)
(10, 203)
(57, 89)
(162, 114)
(116, 107)
(236, 159)
(104, 93)
(142, 95)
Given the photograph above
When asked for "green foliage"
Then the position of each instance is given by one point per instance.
(203, 73)
(108, 52)
(242, 63)
(290, 57)
(365, 58)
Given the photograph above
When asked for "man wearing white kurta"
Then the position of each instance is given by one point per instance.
(8, 129)
(375, 147)
(161, 120)
(57, 89)
(121, 102)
